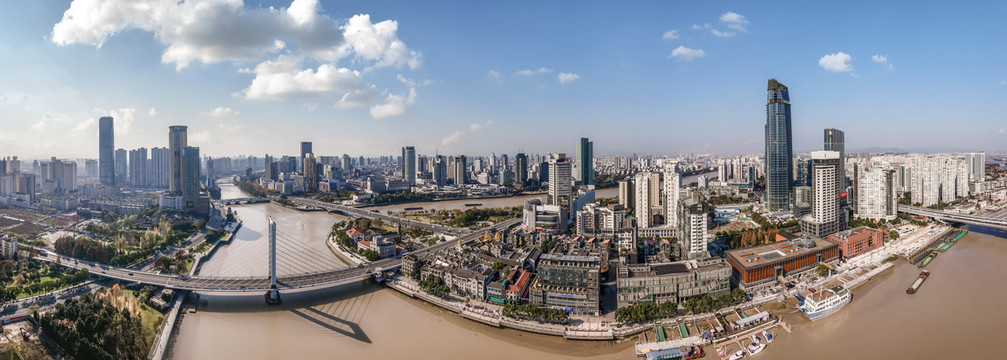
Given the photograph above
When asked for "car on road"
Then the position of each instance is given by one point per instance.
(130, 274)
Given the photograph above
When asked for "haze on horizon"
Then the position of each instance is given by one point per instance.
(366, 78)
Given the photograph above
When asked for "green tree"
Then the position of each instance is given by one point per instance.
(894, 235)
(822, 270)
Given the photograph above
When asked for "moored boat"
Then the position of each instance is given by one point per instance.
(756, 348)
(825, 302)
(919, 281)
(767, 335)
(738, 355)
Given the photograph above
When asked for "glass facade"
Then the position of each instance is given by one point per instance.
(779, 148)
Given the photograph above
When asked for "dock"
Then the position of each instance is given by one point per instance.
(736, 339)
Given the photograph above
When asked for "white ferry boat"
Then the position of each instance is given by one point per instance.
(825, 302)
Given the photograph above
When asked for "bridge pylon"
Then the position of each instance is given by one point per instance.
(273, 295)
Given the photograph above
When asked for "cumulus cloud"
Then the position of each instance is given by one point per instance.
(278, 40)
(453, 138)
(152, 112)
(530, 72)
(221, 112)
(700, 27)
(686, 54)
(493, 74)
(883, 60)
(670, 35)
(1002, 131)
(722, 34)
(734, 21)
(457, 136)
(838, 62)
(566, 78)
(394, 105)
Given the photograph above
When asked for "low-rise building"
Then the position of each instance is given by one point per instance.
(761, 266)
(675, 282)
(567, 282)
(857, 241)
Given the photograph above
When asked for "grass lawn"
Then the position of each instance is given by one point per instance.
(150, 318)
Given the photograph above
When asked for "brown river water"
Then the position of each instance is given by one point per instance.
(957, 314)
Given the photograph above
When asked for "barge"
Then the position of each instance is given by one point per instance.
(919, 282)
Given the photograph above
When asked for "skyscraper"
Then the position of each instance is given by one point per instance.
(672, 186)
(409, 165)
(824, 217)
(779, 148)
(310, 173)
(121, 163)
(159, 169)
(106, 151)
(643, 184)
(440, 170)
(177, 141)
(585, 162)
(305, 150)
(189, 179)
(560, 181)
(138, 168)
(835, 141)
(521, 167)
(976, 163)
(461, 165)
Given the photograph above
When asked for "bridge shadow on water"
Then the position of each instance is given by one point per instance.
(986, 230)
(339, 309)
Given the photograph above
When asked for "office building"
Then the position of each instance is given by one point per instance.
(409, 165)
(585, 162)
(121, 164)
(567, 282)
(305, 150)
(757, 268)
(857, 241)
(824, 217)
(521, 168)
(138, 168)
(673, 282)
(440, 170)
(459, 171)
(310, 173)
(90, 168)
(779, 152)
(560, 181)
(106, 151)
(177, 141)
(835, 141)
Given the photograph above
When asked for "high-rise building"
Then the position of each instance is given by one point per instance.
(672, 186)
(585, 162)
(824, 217)
(976, 163)
(106, 151)
(643, 184)
(305, 150)
(409, 165)
(189, 183)
(90, 168)
(440, 170)
(521, 168)
(460, 170)
(159, 168)
(626, 194)
(210, 171)
(779, 151)
(177, 141)
(121, 165)
(138, 168)
(310, 173)
(835, 141)
(876, 198)
(692, 223)
(560, 181)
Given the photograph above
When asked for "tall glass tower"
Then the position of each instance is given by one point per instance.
(106, 151)
(585, 162)
(835, 140)
(779, 148)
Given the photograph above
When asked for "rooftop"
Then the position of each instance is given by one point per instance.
(777, 252)
(776, 85)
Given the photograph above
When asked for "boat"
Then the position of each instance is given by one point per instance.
(475, 204)
(756, 348)
(825, 302)
(919, 281)
(738, 355)
(413, 208)
(927, 259)
(694, 352)
(765, 334)
(755, 338)
(721, 352)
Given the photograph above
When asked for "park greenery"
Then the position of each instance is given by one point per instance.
(645, 311)
(725, 199)
(253, 189)
(822, 270)
(124, 241)
(28, 277)
(111, 325)
(179, 264)
(709, 303)
(532, 312)
(894, 235)
(435, 286)
(212, 237)
(472, 218)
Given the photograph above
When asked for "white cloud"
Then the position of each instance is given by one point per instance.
(1002, 131)
(670, 35)
(453, 138)
(477, 126)
(700, 27)
(221, 112)
(359, 97)
(493, 74)
(838, 62)
(200, 138)
(152, 112)
(722, 34)
(566, 78)
(394, 105)
(279, 40)
(734, 21)
(687, 54)
(530, 72)
(883, 60)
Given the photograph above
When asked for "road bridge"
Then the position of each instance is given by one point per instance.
(206, 284)
(954, 217)
(374, 214)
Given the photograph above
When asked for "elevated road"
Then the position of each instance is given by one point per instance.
(244, 284)
(364, 213)
(952, 217)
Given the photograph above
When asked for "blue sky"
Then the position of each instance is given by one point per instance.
(367, 77)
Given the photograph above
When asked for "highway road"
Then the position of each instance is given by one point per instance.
(363, 212)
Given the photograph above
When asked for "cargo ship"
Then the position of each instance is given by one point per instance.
(928, 259)
(474, 204)
(919, 282)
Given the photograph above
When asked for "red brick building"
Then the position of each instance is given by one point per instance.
(762, 265)
(857, 241)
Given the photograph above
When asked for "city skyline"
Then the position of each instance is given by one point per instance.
(488, 101)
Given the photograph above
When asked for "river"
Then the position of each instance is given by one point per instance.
(957, 314)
